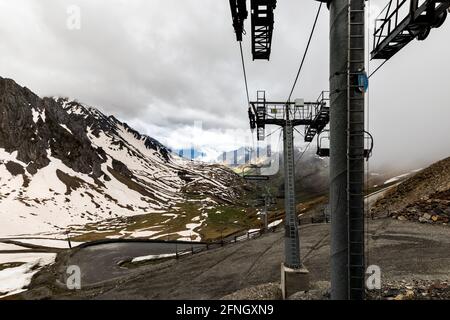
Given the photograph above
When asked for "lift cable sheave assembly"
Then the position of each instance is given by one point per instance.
(402, 21)
(239, 14)
(262, 28)
(262, 24)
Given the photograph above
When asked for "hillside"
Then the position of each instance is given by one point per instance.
(424, 197)
(65, 165)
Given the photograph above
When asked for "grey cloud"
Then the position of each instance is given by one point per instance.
(168, 63)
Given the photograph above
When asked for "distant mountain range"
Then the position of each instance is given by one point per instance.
(190, 153)
(245, 155)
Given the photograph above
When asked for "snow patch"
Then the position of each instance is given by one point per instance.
(275, 223)
(143, 233)
(15, 280)
(10, 247)
(65, 127)
(37, 115)
(154, 257)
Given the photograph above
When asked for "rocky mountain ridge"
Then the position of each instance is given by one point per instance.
(64, 163)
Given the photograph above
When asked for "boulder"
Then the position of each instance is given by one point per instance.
(423, 220)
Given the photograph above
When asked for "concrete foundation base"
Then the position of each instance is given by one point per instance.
(293, 280)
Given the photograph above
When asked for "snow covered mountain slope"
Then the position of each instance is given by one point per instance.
(64, 164)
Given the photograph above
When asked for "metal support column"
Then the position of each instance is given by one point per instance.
(291, 245)
(347, 59)
(338, 148)
(266, 212)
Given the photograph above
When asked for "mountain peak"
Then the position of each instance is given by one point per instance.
(59, 155)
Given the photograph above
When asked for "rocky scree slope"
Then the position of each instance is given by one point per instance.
(424, 197)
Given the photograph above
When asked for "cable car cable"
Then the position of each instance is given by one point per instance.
(245, 73)
(302, 154)
(273, 132)
(248, 96)
(378, 68)
(306, 52)
(299, 132)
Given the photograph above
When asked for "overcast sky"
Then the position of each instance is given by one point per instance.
(165, 66)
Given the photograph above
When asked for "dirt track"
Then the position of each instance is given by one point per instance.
(404, 251)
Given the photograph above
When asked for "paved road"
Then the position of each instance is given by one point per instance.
(403, 249)
(373, 197)
(101, 262)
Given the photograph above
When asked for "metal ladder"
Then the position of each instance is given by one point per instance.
(355, 152)
(261, 114)
(292, 247)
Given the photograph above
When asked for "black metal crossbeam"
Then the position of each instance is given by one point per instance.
(314, 115)
(394, 29)
(262, 28)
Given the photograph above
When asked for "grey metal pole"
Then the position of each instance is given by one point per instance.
(338, 148)
(266, 199)
(292, 242)
(347, 59)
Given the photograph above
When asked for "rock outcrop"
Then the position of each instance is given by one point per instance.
(424, 197)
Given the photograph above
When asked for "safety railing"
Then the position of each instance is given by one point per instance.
(388, 19)
(322, 101)
(249, 235)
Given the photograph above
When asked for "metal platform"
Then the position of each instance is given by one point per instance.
(262, 28)
(401, 21)
(320, 117)
(314, 115)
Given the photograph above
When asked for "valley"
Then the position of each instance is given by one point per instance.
(75, 172)
(77, 186)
